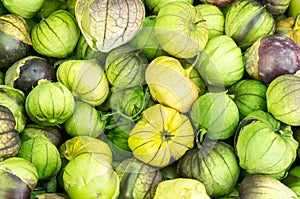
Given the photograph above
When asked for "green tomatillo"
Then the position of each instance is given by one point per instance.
(181, 30)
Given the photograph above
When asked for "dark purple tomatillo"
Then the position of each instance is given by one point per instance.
(272, 56)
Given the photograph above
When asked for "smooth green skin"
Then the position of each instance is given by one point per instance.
(221, 62)
(57, 35)
(180, 30)
(282, 99)
(294, 8)
(216, 115)
(43, 155)
(26, 9)
(85, 79)
(14, 99)
(214, 164)
(85, 121)
(214, 18)
(49, 103)
(87, 177)
(155, 5)
(22, 168)
(264, 145)
(245, 23)
(249, 95)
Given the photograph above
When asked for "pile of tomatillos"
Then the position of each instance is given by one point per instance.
(132, 99)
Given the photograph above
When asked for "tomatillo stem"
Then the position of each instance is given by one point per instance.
(295, 25)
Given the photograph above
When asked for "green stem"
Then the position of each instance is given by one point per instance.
(144, 104)
(199, 21)
(112, 126)
(200, 137)
(295, 25)
(104, 117)
(231, 96)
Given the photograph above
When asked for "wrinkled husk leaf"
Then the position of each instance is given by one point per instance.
(181, 188)
(125, 67)
(170, 84)
(264, 187)
(107, 24)
(10, 141)
(214, 164)
(264, 145)
(43, 155)
(27, 72)
(289, 27)
(53, 133)
(85, 121)
(85, 79)
(16, 27)
(161, 136)
(248, 20)
(275, 7)
(249, 95)
(282, 99)
(84, 144)
(15, 39)
(216, 115)
(137, 179)
(155, 5)
(214, 19)
(26, 9)
(21, 168)
(57, 35)
(14, 100)
(49, 104)
(181, 30)
(221, 62)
